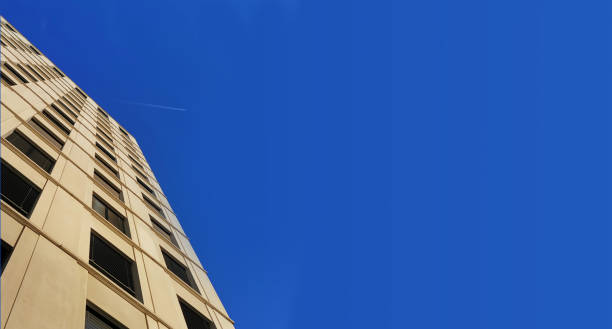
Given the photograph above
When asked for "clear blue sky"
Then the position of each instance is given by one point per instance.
(351, 164)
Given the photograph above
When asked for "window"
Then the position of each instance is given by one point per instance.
(105, 151)
(35, 50)
(47, 77)
(102, 112)
(153, 205)
(56, 122)
(105, 142)
(193, 318)
(45, 72)
(131, 153)
(104, 125)
(104, 134)
(56, 141)
(107, 166)
(15, 73)
(132, 149)
(65, 107)
(110, 215)
(105, 130)
(140, 173)
(97, 319)
(58, 71)
(113, 263)
(31, 151)
(32, 78)
(145, 186)
(123, 131)
(18, 191)
(102, 117)
(179, 269)
(112, 189)
(7, 80)
(40, 77)
(5, 253)
(135, 162)
(64, 115)
(163, 231)
(70, 102)
(81, 92)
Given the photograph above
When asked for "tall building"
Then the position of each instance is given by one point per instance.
(89, 239)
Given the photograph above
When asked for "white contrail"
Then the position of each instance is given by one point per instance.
(153, 105)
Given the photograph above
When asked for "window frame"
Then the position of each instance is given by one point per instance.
(56, 122)
(5, 248)
(132, 267)
(107, 181)
(151, 204)
(125, 227)
(15, 73)
(146, 187)
(141, 173)
(19, 175)
(33, 148)
(189, 280)
(103, 316)
(63, 114)
(107, 165)
(184, 305)
(46, 133)
(106, 152)
(102, 112)
(167, 234)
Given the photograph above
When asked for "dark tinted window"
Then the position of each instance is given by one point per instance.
(103, 133)
(103, 124)
(32, 78)
(112, 263)
(194, 319)
(105, 130)
(145, 186)
(31, 151)
(135, 162)
(35, 72)
(56, 122)
(102, 112)
(51, 137)
(17, 74)
(111, 215)
(7, 80)
(65, 107)
(179, 269)
(94, 319)
(18, 191)
(105, 151)
(107, 166)
(110, 187)
(105, 142)
(153, 205)
(35, 50)
(5, 253)
(71, 103)
(140, 173)
(64, 115)
(81, 92)
(42, 71)
(164, 231)
(58, 71)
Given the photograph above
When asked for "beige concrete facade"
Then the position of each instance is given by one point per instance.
(49, 279)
